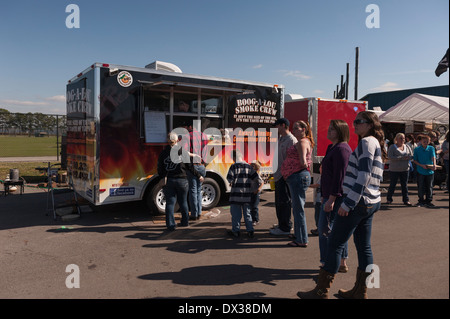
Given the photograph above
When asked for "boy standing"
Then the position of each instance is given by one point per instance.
(257, 185)
(425, 159)
(240, 176)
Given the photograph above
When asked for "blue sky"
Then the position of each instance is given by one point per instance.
(303, 45)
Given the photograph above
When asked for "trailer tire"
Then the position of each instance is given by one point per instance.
(211, 193)
(156, 200)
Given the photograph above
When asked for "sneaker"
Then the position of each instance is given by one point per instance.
(430, 205)
(250, 234)
(278, 232)
(419, 205)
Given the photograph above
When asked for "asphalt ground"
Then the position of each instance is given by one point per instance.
(123, 252)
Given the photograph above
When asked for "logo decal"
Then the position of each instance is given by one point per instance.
(125, 79)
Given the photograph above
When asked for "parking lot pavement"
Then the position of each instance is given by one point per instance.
(121, 251)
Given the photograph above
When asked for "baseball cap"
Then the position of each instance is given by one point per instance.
(281, 121)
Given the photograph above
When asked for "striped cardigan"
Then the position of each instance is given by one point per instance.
(363, 175)
(240, 175)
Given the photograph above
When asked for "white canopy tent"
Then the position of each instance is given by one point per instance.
(419, 107)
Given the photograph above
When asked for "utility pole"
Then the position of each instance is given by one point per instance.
(346, 82)
(356, 73)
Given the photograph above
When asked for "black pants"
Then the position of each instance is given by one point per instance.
(283, 205)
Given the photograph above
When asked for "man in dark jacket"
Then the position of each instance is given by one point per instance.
(172, 167)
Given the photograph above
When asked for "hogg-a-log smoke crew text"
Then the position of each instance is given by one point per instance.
(253, 105)
(79, 101)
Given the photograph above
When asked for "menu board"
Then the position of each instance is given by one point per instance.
(155, 127)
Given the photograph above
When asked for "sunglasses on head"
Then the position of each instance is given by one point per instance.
(360, 121)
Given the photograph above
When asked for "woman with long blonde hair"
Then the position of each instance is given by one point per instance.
(400, 155)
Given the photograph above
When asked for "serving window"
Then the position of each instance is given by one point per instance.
(157, 100)
(179, 104)
(185, 102)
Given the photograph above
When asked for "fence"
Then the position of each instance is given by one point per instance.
(29, 126)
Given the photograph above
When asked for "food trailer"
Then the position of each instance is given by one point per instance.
(118, 118)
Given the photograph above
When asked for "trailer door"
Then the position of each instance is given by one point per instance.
(81, 135)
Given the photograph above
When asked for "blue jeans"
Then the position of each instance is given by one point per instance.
(298, 184)
(254, 207)
(325, 224)
(425, 188)
(195, 190)
(237, 210)
(176, 189)
(394, 176)
(359, 223)
(283, 205)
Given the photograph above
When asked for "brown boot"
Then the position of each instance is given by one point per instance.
(321, 290)
(359, 290)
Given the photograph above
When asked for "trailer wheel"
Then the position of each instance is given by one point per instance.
(210, 196)
(156, 199)
(210, 193)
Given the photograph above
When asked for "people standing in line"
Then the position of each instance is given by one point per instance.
(240, 176)
(425, 160)
(400, 156)
(445, 157)
(174, 170)
(296, 172)
(355, 214)
(334, 166)
(196, 148)
(257, 186)
(282, 195)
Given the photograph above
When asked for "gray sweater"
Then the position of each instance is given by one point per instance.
(397, 162)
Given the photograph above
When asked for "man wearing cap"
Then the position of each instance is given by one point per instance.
(282, 195)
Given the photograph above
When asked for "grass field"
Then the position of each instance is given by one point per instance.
(24, 146)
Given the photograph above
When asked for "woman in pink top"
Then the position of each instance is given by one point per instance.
(296, 172)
